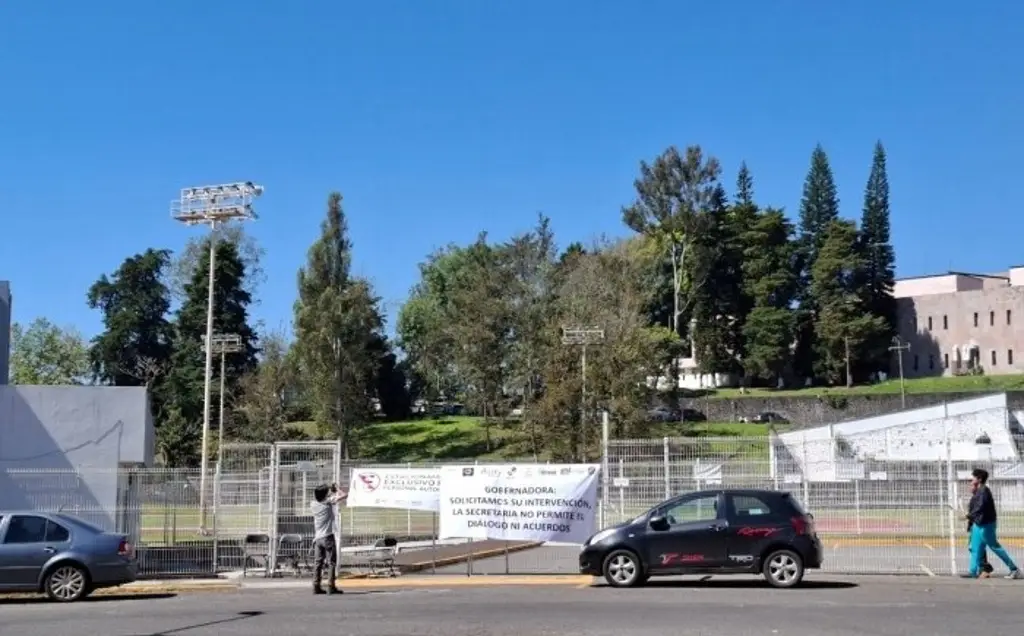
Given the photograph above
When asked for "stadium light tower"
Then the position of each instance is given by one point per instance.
(213, 206)
(583, 337)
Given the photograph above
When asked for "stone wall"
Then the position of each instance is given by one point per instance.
(829, 408)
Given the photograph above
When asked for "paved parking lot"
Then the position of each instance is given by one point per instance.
(826, 607)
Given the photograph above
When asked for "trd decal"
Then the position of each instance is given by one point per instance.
(674, 558)
(756, 532)
(742, 558)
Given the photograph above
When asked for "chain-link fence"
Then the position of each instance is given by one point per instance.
(885, 499)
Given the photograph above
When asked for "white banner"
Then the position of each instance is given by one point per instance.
(408, 488)
(519, 502)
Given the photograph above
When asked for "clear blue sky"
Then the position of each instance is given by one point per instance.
(440, 118)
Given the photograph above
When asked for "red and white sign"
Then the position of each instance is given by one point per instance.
(406, 488)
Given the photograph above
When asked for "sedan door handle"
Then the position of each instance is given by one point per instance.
(717, 527)
(50, 550)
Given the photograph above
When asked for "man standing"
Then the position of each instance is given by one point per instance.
(981, 512)
(324, 516)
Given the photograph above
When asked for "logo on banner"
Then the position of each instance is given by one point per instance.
(591, 470)
(467, 472)
(371, 481)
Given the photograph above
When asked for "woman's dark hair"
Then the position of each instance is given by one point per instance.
(320, 492)
(980, 474)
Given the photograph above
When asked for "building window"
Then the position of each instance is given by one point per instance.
(975, 319)
(945, 321)
(915, 362)
(1007, 316)
(991, 319)
(929, 323)
(993, 357)
(931, 361)
(945, 361)
(1009, 356)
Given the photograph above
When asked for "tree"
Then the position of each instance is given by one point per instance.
(337, 320)
(134, 348)
(197, 250)
(818, 208)
(880, 262)
(424, 329)
(390, 382)
(770, 279)
(263, 401)
(673, 195)
(481, 323)
(186, 378)
(604, 287)
(46, 354)
(843, 324)
(531, 259)
(718, 306)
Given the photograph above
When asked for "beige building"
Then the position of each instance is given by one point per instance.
(957, 321)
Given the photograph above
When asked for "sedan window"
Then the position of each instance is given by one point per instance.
(26, 529)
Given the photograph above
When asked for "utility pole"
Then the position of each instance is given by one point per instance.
(849, 380)
(899, 347)
(213, 206)
(583, 337)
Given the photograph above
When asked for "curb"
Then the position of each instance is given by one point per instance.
(927, 543)
(441, 581)
(420, 566)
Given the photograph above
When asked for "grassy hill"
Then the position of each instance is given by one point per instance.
(465, 438)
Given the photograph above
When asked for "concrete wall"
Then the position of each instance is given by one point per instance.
(832, 452)
(5, 331)
(62, 446)
(814, 411)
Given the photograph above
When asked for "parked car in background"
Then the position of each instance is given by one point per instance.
(692, 415)
(663, 414)
(769, 417)
(60, 555)
(715, 532)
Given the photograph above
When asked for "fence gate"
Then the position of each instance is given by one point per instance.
(298, 468)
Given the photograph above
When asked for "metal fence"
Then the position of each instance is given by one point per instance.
(876, 513)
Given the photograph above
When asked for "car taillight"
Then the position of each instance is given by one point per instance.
(802, 525)
(125, 549)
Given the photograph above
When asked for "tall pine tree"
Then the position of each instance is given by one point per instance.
(337, 332)
(879, 263)
(818, 208)
(181, 435)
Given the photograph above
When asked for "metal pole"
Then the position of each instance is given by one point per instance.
(205, 461)
(668, 483)
(604, 465)
(583, 404)
(220, 425)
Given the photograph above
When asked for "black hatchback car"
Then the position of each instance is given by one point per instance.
(709, 532)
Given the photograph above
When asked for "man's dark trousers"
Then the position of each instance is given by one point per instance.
(326, 553)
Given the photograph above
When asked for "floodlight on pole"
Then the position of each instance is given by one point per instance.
(214, 206)
(582, 337)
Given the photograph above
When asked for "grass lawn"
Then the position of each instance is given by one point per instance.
(453, 438)
(963, 384)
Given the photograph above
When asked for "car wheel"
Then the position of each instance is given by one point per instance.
(622, 569)
(67, 583)
(783, 568)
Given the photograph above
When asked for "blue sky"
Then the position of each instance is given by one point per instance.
(438, 119)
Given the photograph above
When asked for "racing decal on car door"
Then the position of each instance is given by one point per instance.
(742, 558)
(676, 558)
(756, 532)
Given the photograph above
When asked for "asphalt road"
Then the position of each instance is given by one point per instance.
(827, 606)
